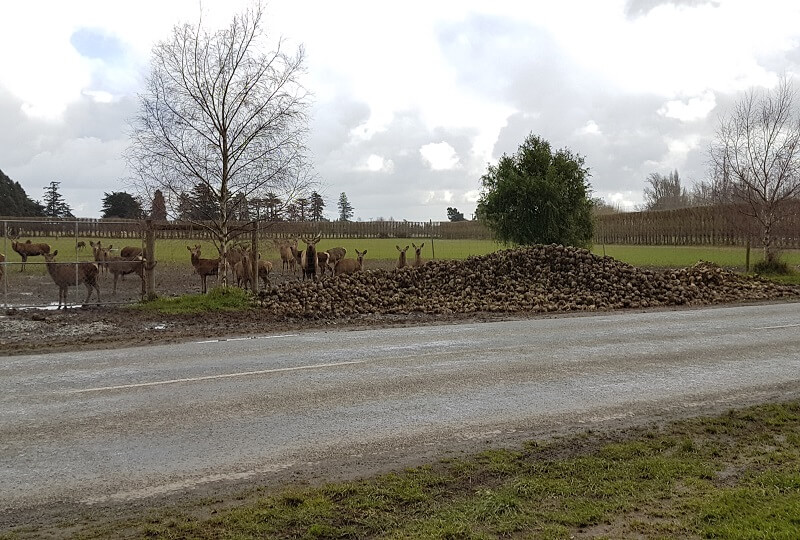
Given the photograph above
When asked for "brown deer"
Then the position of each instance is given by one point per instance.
(418, 254)
(80, 246)
(287, 251)
(335, 255)
(27, 249)
(323, 262)
(243, 270)
(119, 266)
(71, 274)
(203, 267)
(401, 261)
(308, 261)
(350, 266)
(100, 254)
(131, 252)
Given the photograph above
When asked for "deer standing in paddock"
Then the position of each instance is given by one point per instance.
(100, 254)
(308, 260)
(401, 260)
(67, 275)
(203, 267)
(418, 254)
(244, 271)
(119, 266)
(131, 252)
(27, 249)
(350, 266)
(80, 246)
(323, 261)
(335, 255)
(288, 258)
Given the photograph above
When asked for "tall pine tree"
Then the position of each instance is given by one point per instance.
(54, 204)
(345, 208)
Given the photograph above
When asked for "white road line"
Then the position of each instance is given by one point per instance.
(211, 377)
(778, 327)
(222, 340)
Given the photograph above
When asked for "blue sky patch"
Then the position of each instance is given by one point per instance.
(93, 43)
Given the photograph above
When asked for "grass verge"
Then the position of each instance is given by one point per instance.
(217, 299)
(730, 476)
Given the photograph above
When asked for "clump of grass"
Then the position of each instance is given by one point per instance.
(218, 299)
(772, 267)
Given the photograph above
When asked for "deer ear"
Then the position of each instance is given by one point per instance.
(55, 253)
(422, 245)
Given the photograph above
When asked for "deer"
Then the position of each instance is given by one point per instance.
(27, 249)
(203, 267)
(80, 246)
(119, 266)
(323, 262)
(244, 271)
(131, 252)
(350, 266)
(335, 255)
(100, 254)
(308, 261)
(418, 254)
(287, 252)
(71, 274)
(401, 261)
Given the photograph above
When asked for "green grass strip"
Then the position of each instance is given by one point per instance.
(731, 476)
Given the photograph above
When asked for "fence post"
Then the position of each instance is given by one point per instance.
(433, 251)
(150, 264)
(254, 260)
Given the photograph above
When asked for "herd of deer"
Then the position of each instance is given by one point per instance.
(65, 275)
(313, 264)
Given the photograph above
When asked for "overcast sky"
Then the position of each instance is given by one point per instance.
(411, 99)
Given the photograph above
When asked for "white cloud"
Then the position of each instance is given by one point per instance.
(695, 108)
(375, 163)
(591, 128)
(439, 156)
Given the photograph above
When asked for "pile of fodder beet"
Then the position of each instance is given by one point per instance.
(531, 279)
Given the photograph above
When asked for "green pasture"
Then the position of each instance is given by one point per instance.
(174, 251)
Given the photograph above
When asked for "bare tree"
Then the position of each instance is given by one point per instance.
(756, 157)
(221, 113)
(665, 192)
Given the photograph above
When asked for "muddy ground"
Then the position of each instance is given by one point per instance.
(30, 324)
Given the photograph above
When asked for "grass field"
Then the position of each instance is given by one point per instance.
(174, 251)
(730, 476)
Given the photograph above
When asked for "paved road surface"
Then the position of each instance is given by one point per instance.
(105, 426)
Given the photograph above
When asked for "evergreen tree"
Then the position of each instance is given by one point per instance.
(54, 204)
(14, 201)
(538, 196)
(317, 205)
(454, 215)
(302, 206)
(121, 205)
(158, 210)
(345, 208)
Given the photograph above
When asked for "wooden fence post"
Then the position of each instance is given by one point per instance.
(150, 264)
(254, 261)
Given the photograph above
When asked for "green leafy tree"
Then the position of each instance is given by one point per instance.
(317, 206)
(345, 208)
(158, 210)
(538, 196)
(54, 204)
(121, 205)
(14, 201)
(454, 215)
